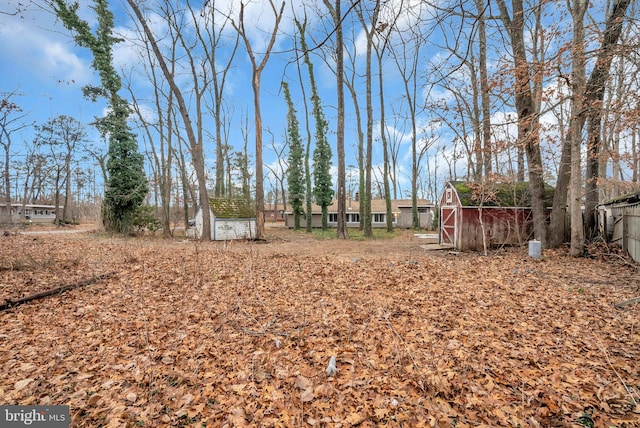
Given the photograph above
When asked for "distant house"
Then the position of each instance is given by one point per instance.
(230, 219)
(496, 214)
(400, 208)
(37, 213)
(274, 212)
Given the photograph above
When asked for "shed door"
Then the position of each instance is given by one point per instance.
(448, 225)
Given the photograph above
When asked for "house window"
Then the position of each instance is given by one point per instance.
(333, 218)
(448, 198)
(353, 218)
(378, 218)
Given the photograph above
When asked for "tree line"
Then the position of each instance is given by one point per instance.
(535, 90)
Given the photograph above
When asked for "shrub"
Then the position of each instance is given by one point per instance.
(144, 218)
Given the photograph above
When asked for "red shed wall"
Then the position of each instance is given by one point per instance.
(503, 226)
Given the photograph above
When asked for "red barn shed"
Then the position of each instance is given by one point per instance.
(474, 214)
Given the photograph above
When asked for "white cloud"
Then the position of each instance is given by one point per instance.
(259, 19)
(48, 55)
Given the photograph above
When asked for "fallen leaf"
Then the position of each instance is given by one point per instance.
(307, 395)
(302, 382)
(21, 384)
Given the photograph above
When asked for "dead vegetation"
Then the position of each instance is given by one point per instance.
(191, 334)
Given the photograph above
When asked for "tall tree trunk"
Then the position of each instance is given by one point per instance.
(487, 148)
(257, 69)
(7, 182)
(255, 84)
(558, 220)
(385, 149)
(578, 10)
(342, 207)
(67, 189)
(594, 95)
(353, 90)
(307, 154)
(365, 199)
(528, 126)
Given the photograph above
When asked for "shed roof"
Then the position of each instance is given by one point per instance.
(631, 198)
(505, 194)
(232, 208)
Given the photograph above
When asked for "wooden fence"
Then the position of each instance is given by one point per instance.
(626, 228)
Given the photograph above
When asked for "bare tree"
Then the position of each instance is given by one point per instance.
(406, 55)
(484, 88)
(383, 31)
(578, 10)
(336, 13)
(210, 34)
(161, 152)
(194, 130)
(11, 121)
(61, 135)
(594, 94)
(351, 73)
(279, 171)
(369, 27)
(513, 19)
(257, 68)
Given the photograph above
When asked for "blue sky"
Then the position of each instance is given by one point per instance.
(46, 70)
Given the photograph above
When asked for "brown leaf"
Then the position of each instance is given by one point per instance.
(302, 382)
(21, 384)
(307, 395)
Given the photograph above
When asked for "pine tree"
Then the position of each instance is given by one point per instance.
(295, 178)
(126, 185)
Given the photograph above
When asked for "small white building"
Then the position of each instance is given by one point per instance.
(230, 219)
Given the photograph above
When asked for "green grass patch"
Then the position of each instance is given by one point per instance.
(354, 233)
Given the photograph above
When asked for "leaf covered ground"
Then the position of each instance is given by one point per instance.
(241, 334)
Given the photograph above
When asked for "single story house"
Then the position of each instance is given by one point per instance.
(230, 219)
(619, 221)
(400, 208)
(474, 214)
(37, 213)
(274, 212)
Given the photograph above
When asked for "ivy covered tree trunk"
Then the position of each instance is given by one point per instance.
(295, 174)
(307, 151)
(126, 185)
(322, 184)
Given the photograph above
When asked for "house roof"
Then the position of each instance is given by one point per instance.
(377, 206)
(506, 194)
(232, 208)
(274, 207)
